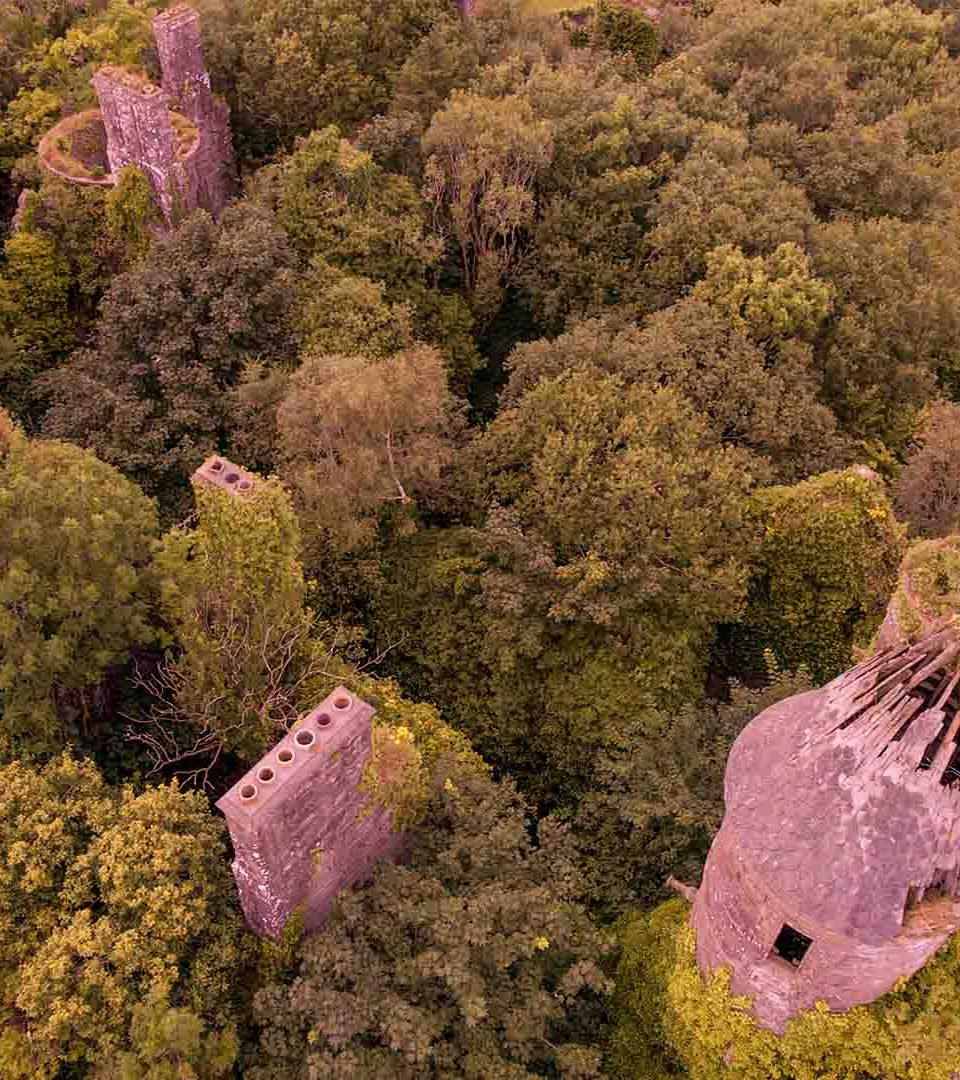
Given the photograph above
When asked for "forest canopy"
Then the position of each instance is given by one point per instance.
(598, 369)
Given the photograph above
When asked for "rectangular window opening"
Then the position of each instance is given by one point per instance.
(791, 945)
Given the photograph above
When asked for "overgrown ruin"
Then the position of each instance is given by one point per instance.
(836, 870)
(178, 134)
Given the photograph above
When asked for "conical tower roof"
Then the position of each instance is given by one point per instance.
(847, 799)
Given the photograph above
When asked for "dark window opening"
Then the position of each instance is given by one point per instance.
(914, 899)
(791, 945)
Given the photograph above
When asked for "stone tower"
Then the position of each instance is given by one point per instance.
(836, 869)
(177, 134)
(139, 128)
(301, 825)
(185, 79)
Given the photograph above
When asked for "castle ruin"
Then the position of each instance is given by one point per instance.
(178, 133)
(836, 871)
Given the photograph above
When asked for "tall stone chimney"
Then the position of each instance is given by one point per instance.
(302, 827)
(184, 74)
(186, 80)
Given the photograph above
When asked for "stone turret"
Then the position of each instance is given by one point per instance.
(177, 134)
(837, 869)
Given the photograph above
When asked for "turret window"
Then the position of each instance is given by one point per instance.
(791, 945)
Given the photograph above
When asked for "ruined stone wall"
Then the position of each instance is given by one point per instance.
(302, 829)
(737, 918)
(136, 116)
(186, 80)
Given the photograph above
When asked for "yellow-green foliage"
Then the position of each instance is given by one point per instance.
(826, 557)
(671, 1022)
(414, 751)
(75, 540)
(120, 927)
(131, 210)
(929, 587)
(768, 298)
(233, 590)
(34, 291)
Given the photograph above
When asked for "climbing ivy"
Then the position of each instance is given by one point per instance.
(232, 588)
(414, 751)
(929, 586)
(826, 555)
(131, 213)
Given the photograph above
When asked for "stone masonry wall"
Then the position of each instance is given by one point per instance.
(302, 829)
(136, 116)
(185, 79)
(737, 917)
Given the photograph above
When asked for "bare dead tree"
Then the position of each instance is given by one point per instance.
(189, 724)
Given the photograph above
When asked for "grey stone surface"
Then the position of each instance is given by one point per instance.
(217, 471)
(301, 826)
(185, 79)
(842, 811)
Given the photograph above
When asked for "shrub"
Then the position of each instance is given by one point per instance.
(826, 557)
(623, 29)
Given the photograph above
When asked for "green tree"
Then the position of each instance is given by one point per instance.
(359, 433)
(131, 213)
(232, 589)
(302, 66)
(474, 959)
(120, 920)
(771, 298)
(483, 156)
(444, 60)
(54, 75)
(623, 29)
(333, 201)
(344, 313)
(824, 564)
(895, 323)
(35, 326)
(762, 396)
(347, 215)
(587, 243)
(720, 194)
(174, 335)
(589, 591)
(616, 508)
(76, 540)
